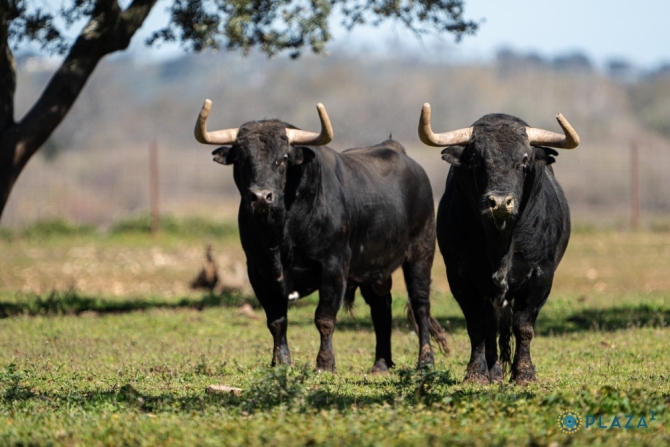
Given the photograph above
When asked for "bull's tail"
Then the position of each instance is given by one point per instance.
(438, 334)
(504, 317)
(349, 297)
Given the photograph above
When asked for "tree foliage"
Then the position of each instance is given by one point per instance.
(109, 25)
(272, 26)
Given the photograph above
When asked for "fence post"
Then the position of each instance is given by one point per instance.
(635, 186)
(153, 187)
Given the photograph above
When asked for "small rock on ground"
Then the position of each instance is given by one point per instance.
(223, 389)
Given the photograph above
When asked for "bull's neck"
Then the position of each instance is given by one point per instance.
(276, 229)
(499, 251)
(269, 226)
(498, 245)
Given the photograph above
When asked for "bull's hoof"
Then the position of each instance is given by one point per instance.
(325, 361)
(523, 377)
(281, 359)
(380, 367)
(477, 379)
(495, 373)
(477, 371)
(426, 357)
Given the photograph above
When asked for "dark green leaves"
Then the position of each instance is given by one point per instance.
(270, 26)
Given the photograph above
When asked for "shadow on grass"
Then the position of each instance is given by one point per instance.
(589, 319)
(296, 387)
(71, 303)
(606, 319)
(301, 389)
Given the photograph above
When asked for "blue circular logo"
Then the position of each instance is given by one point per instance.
(569, 422)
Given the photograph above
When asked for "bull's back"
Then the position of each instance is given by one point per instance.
(390, 204)
(383, 178)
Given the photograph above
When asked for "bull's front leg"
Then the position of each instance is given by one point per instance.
(523, 370)
(275, 304)
(331, 293)
(526, 309)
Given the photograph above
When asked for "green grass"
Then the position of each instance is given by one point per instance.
(189, 226)
(82, 363)
(194, 226)
(50, 228)
(139, 378)
(70, 302)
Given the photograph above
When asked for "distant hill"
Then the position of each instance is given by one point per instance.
(94, 166)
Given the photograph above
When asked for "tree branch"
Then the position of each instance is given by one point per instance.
(7, 70)
(110, 29)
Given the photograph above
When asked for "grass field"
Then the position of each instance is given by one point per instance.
(104, 344)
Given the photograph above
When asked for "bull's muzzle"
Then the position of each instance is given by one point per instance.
(502, 207)
(501, 204)
(262, 199)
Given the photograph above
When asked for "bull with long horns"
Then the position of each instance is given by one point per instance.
(503, 226)
(314, 219)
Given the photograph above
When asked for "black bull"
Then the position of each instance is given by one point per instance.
(503, 225)
(314, 219)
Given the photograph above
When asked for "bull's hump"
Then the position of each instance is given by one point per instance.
(388, 144)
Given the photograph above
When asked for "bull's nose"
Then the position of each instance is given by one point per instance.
(501, 203)
(262, 198)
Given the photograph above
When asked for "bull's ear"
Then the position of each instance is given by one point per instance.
(301, 154)
(546, 154)
(225, 155)
(453, 154)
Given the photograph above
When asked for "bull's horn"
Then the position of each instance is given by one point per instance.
(225, 136)
(297, 136)
(552, 139)
(452, 138)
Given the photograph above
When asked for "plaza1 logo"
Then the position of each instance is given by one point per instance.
(569, 421)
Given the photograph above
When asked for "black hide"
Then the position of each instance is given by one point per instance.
(314, 219)
(503, 225)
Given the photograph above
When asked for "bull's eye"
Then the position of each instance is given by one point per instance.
(282, 161)
(524, 162)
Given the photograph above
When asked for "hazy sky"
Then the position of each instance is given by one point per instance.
(635, 30)
(638, 31)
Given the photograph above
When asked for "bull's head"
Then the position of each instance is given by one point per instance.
(262, 152)
(499, 150)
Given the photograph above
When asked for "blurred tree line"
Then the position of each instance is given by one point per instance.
(109, 25)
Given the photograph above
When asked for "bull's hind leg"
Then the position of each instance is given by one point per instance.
(380, 311)
(417, 278)
(276, 309)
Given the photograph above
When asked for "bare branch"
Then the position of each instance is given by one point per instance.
(7, 70)
(109, 29)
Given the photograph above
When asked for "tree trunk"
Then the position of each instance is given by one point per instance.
(108, 30)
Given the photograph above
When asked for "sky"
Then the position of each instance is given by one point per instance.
(603, 30)
(637, 31)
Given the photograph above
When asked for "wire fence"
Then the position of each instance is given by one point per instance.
(604, 185)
